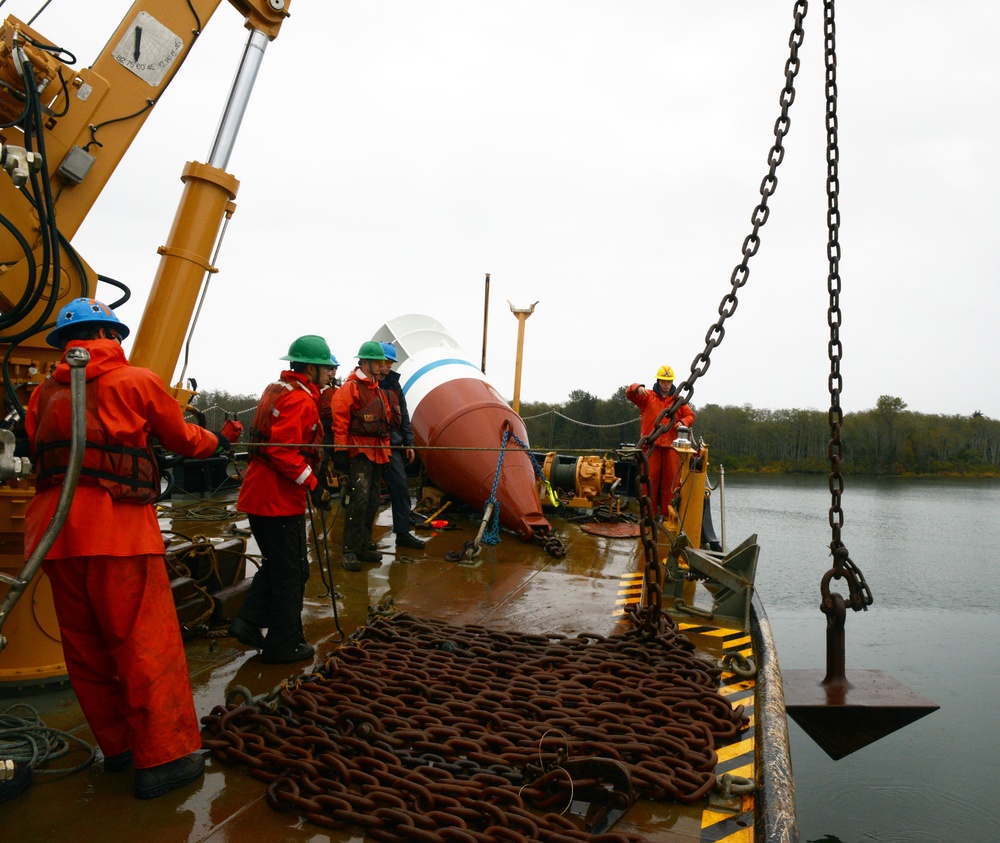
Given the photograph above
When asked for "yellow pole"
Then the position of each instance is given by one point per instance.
(486, 318)
(522, 314)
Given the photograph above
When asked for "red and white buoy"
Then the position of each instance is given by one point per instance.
(459, 420)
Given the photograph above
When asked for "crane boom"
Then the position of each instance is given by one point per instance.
(63, 132)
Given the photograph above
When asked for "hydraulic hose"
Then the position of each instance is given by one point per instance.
(77, 358)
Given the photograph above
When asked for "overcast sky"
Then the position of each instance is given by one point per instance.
(601, 158)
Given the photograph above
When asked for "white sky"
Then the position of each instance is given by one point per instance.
(602, 157)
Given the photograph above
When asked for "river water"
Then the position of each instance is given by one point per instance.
(930, 551)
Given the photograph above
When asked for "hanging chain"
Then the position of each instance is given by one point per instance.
(860, 595)
(727, 307)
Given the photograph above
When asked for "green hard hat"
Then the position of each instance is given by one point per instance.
(371, 350)
(309, 349)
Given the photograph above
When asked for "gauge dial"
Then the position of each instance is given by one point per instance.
(148, 49)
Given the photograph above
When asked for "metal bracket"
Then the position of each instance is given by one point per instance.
(11, 467)
(729, 577)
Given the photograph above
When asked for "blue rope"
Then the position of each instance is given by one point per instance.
(492, 533)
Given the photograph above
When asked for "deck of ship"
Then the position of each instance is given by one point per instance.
(514, 587)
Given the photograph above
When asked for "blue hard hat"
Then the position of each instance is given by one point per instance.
(333, 361)
(390, 351)
(84, 312)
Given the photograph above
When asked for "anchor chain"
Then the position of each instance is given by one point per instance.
(859, 594)
(727, 307)
(550, 542)
(422, 731)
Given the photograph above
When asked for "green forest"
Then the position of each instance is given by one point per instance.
(888, 439)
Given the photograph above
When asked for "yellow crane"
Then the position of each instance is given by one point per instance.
(64, 130)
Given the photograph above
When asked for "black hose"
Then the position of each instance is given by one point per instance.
(77, 357)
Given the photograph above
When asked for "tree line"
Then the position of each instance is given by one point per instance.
(888, 439)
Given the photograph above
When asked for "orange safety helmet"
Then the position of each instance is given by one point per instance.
(665, 373)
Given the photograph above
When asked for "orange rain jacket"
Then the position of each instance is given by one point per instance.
(361, 416)
(278, 478)
(651, 404)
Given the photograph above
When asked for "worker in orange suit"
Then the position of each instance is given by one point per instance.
(663, 459)
(361, 424)
(120, 634)
(285, 443)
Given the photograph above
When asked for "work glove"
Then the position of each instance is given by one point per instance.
(224, 445)
(318, 496)
(340, 461)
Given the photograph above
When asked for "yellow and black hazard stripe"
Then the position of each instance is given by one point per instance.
(736, 757)
(629, 592)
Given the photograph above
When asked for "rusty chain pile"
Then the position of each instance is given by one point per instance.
(423, 732)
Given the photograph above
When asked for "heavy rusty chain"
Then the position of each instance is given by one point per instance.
(550, 542)
(422, 731)
(860, 596)
(727, 308)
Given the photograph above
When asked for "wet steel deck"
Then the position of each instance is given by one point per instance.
(515, 588)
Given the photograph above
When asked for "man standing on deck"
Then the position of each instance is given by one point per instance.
(120, 634)
(663, 459)
(361, 440)
(400, 436)
(284, 452)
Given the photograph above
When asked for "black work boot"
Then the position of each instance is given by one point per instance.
(409, 540)
(155, 781)
(246, 633)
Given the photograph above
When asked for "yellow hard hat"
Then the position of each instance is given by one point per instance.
(664, 373)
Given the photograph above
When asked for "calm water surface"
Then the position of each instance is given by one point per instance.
(930, 551)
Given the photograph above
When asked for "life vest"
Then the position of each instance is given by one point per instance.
(326, 411)
(263, 421)
(371, 419)
(395, 412)
(128, 473)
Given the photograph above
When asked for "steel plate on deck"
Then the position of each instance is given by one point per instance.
(612, 530)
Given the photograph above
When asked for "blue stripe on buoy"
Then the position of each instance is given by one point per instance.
(423, 370)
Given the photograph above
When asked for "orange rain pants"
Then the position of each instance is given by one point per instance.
(663, 466)
(125, 655)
